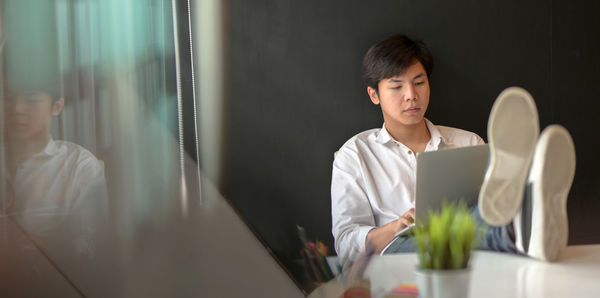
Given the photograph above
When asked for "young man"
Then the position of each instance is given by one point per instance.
(373, 184)
(373, 178)
(48, 185)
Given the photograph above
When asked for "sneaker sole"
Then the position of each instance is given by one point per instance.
(551, 177)
(513, 130)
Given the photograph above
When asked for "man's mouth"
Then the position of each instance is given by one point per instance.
(17, 124)
(412, 110)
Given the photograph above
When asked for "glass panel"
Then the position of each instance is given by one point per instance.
(100, 191)
(90, 146)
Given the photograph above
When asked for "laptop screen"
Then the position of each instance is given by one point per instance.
(452, 175)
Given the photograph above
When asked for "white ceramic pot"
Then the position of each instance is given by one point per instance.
(443, 283)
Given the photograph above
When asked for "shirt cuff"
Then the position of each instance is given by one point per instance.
(362, 237)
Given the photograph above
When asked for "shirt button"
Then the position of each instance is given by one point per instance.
(409, 152)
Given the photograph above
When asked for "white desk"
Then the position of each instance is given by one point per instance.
(575, 274)
(208, 253)
(25, 271)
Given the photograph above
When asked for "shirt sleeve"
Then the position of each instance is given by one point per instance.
(89, 212)
(352, 216)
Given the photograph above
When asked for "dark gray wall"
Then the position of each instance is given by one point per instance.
(295, 93)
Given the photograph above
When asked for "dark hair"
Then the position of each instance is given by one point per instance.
(391, 56)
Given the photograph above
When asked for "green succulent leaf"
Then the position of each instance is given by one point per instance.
(446, 240)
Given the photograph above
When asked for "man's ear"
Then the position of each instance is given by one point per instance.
(57, 106)
(373, 95)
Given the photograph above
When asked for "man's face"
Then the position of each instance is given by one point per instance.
(403, 98)
(27, 115)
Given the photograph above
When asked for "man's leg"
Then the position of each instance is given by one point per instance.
(401, 244)
(540, 223)
(542, 228)
(513, 130)
(501, 239)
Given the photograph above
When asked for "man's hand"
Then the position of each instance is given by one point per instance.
(406, 219)
(380, 237)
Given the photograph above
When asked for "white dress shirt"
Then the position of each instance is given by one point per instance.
(373, 182)
(59, 192)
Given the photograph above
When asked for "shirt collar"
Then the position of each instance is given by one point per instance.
(383, 136)
(436, 137)
(51, 148)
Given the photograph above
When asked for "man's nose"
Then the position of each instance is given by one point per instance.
(411, 93)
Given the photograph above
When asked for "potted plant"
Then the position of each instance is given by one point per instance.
(444, 248)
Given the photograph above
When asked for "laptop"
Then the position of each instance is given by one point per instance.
(451, 175)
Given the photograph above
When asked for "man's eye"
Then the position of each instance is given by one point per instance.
(419, 83)
(32, 100)
(397, 87)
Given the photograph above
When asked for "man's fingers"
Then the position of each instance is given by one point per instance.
(405, 222)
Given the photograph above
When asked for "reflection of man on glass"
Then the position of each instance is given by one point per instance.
(45, 178)
(55, 190)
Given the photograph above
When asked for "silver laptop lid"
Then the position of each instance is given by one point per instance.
(452, 175)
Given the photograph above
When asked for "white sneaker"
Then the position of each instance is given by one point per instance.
(513, 130)
(542, 228)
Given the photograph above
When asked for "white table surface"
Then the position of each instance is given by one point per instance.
(575, 274)
(210, 252)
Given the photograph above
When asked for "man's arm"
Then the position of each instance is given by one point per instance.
(352, 217)
(380, 237)
(88, 215)
(353, 222)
